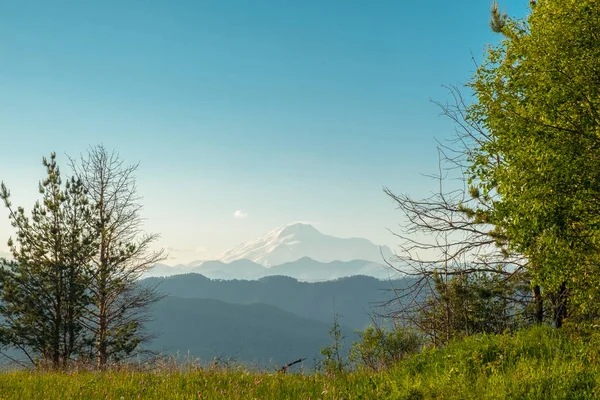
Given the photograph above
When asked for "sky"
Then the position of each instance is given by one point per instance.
(243, 115)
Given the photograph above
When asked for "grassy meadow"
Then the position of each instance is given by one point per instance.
(539, 363)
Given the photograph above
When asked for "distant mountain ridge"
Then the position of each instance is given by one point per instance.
(268, 321)
(352, 298)
(305, 269)
(309, 270)
(237, 269)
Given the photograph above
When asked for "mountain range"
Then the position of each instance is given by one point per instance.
(263, 322)
(297, 250)
(305, 269)
(353, 298)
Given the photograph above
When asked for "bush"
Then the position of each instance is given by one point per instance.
(381, 348)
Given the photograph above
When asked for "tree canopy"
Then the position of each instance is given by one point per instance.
(538, 170)
(527, 148)
(71, 290)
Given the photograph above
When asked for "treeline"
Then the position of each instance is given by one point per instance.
(70, 291)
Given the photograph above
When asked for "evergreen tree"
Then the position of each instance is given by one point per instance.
(43, 290)
(472, 303)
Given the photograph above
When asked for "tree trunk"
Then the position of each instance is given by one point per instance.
(56, 333)
(560, 305)
(539, 304)
(102, 345)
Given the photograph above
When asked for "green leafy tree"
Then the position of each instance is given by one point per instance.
(43, 292)
(537, 98)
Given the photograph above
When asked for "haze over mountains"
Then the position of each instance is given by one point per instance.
(305, 269)
(256, 334)
(272, 299)
(297, 250)
(353, 298)
(268, 321)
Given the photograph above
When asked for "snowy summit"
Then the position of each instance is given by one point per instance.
(295, 241)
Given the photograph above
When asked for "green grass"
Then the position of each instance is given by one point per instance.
(538, 363)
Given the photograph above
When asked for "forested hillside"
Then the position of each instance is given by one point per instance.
(256, 335)
(355, 298)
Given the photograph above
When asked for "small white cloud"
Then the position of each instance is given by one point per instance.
(240, 214)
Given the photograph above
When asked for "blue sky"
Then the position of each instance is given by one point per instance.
(285, 110)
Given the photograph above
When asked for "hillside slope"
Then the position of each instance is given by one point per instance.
(259, 334)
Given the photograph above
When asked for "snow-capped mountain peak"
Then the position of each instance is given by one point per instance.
(294, 241)
(298, 228)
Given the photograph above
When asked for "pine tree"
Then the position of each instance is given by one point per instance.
(43, 290)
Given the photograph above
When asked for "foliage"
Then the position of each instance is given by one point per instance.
(537, 98)
(44, 289)
(538, 363)
(72, 290)
(527, 149)
(467, 304)
(335, 360)
(381, 348)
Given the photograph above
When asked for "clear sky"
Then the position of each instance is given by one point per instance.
(279, 110)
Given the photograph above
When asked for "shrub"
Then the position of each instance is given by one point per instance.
(381, 348)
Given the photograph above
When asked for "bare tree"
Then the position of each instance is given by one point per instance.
(120, 304)
(447, 237)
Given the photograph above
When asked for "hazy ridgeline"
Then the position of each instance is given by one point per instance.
(266, 322)
(354, 298)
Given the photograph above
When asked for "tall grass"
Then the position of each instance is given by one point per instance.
(539, 363)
